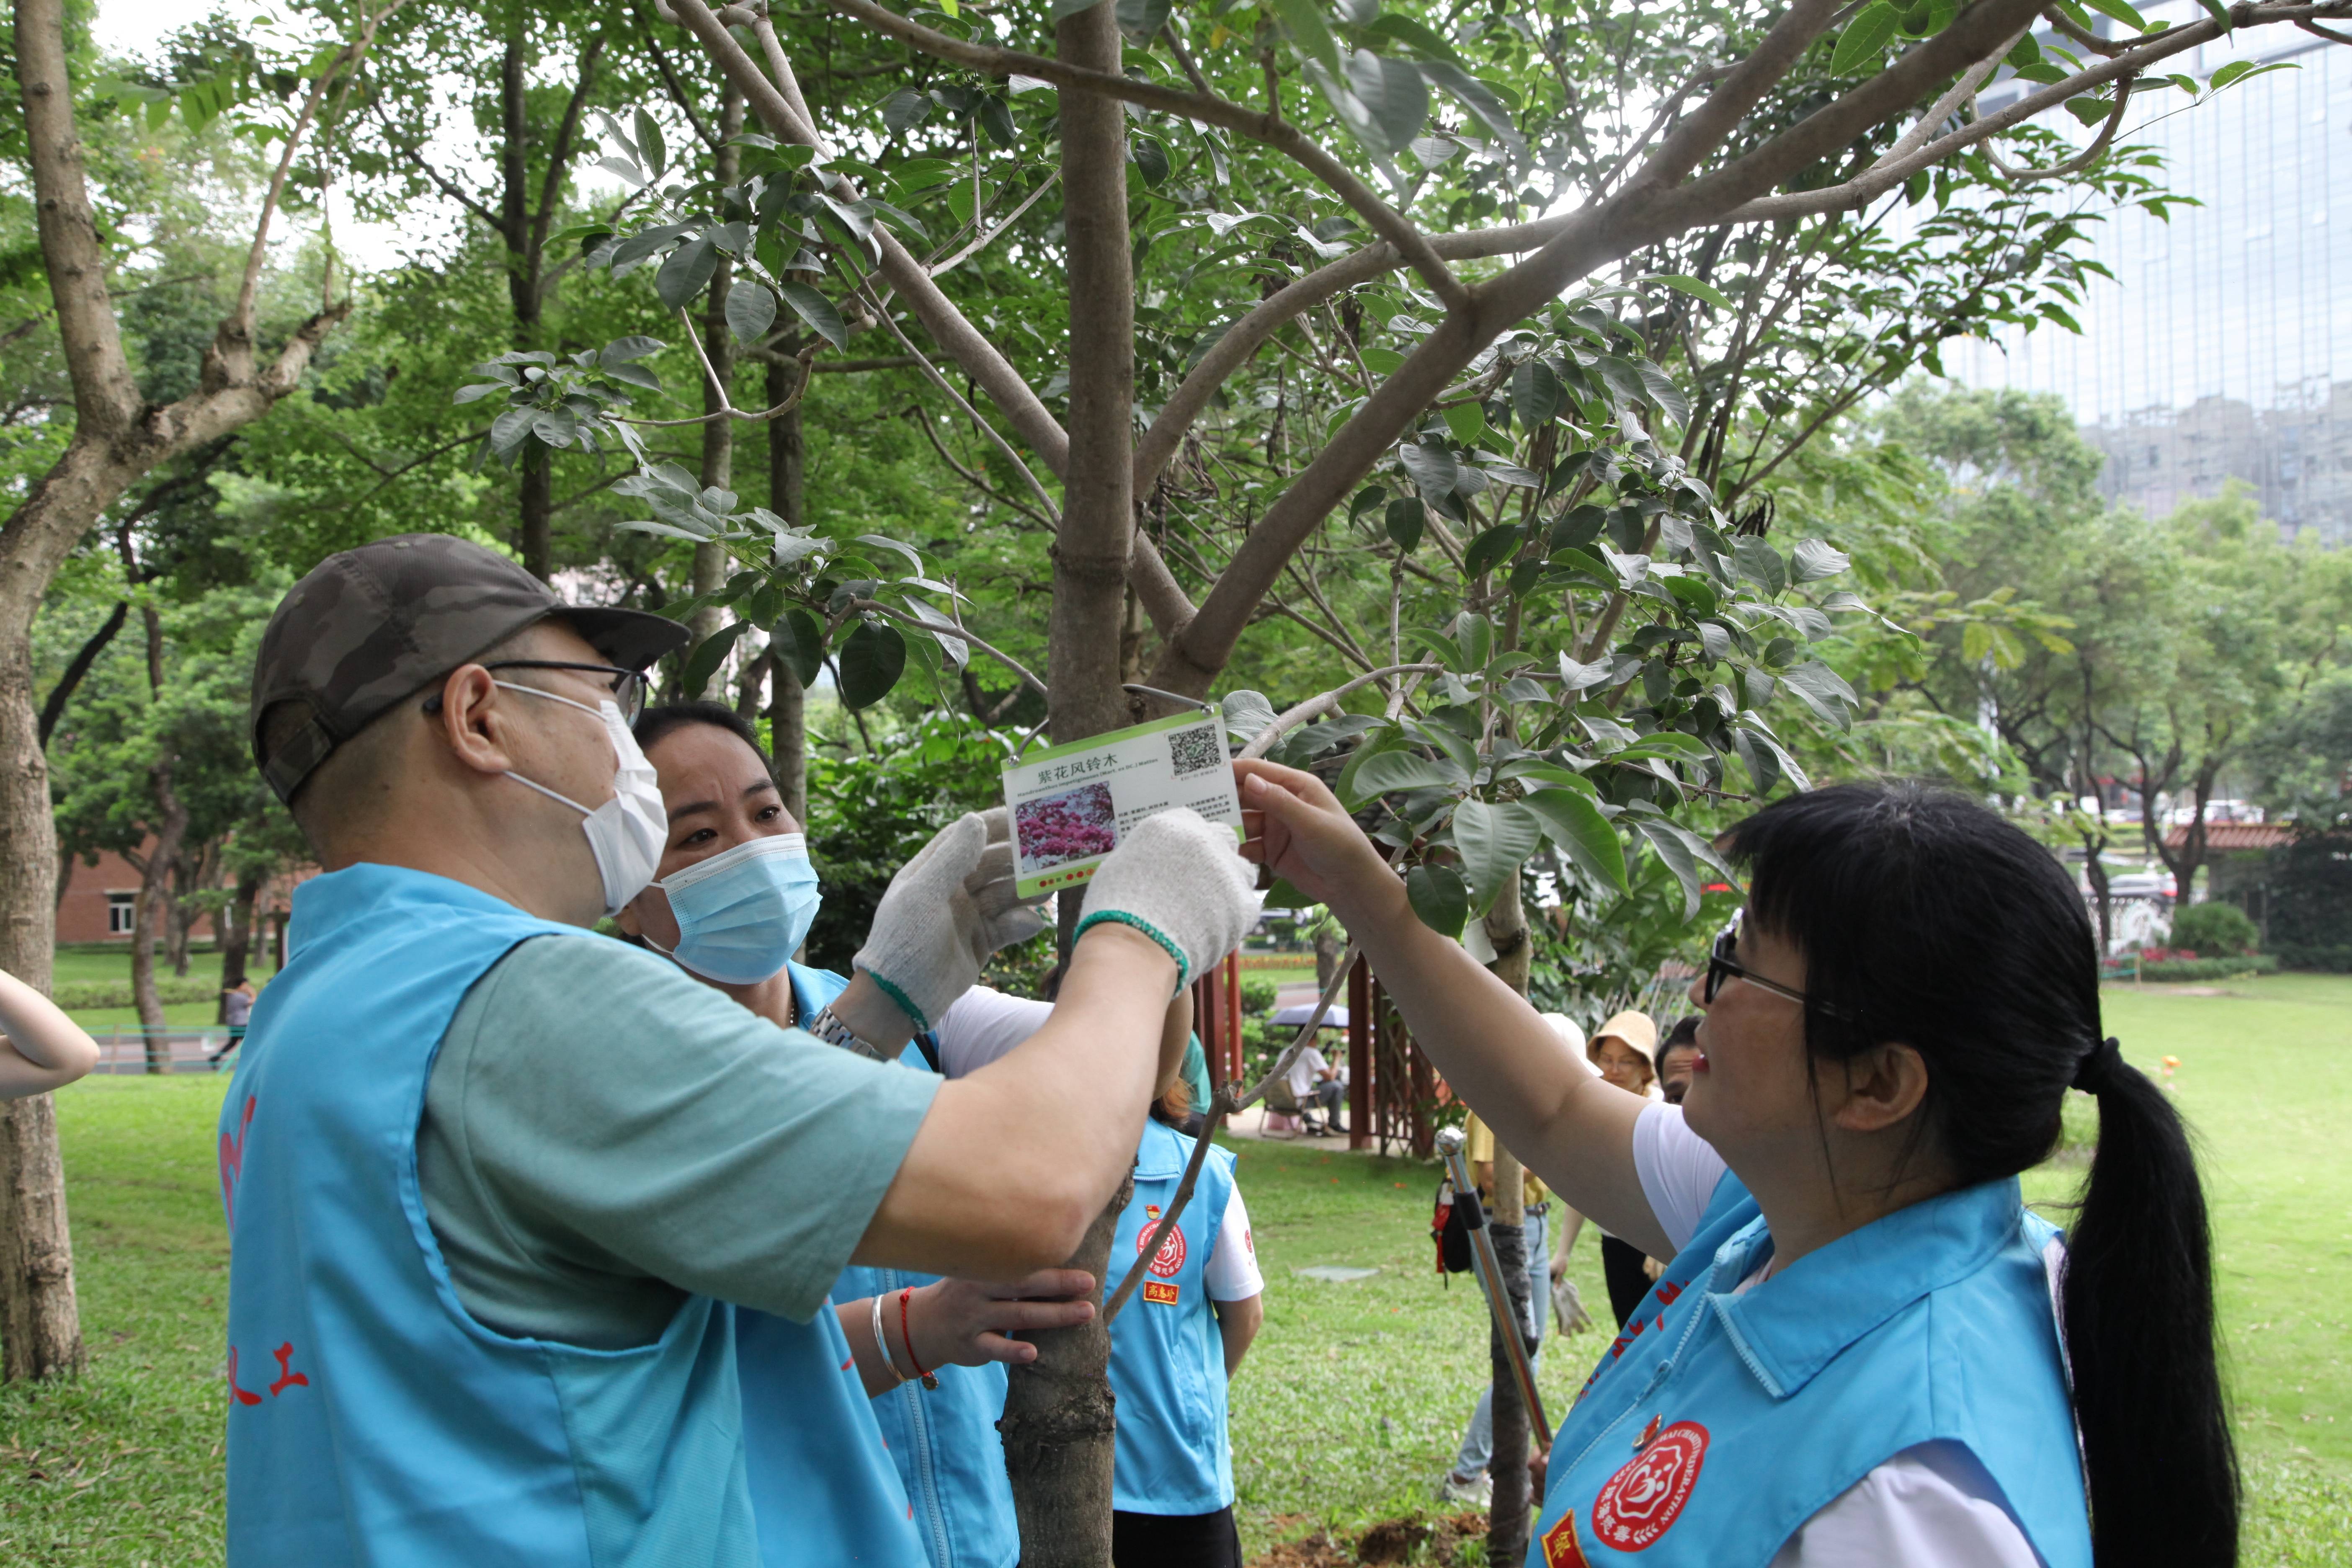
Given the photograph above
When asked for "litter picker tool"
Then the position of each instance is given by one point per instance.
(1490, 1280)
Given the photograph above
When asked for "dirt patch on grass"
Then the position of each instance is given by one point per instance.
(1390, 1544)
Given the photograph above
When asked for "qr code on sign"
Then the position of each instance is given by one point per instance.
(1196, 751)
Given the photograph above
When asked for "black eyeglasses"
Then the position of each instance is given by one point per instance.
(1722, 966)
(628, 686)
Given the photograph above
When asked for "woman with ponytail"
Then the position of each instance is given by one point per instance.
(1866, 1349)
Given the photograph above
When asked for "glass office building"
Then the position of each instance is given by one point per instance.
(2223, 348)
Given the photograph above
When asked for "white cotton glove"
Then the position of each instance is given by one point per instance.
(945, 911)
(1179, 879)
(1568, 1306)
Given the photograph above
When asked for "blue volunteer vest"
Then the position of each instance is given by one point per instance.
(372, 1420)
(1167, 1359)
(824, 1490)
(1718, 1424)
(948, 1455)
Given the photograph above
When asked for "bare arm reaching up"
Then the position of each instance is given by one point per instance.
(1570, 1128)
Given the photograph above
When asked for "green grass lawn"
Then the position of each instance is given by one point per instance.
(1355, 1396)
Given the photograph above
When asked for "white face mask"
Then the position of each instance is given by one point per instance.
(627, 833)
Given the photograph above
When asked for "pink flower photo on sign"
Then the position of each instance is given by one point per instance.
(1071, 825)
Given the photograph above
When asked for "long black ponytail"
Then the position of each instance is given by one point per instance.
(1926, 918)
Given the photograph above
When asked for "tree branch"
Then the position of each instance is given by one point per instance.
(558, 156)
(1269, 129)
(1316, 707)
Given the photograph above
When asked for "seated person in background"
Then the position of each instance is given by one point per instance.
(1678, 1056)
(1315, 1084)
(41, 1049)
(1173, 1346)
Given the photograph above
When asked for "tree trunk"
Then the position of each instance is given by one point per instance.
(117, 437)
(719, 345)
(1506, 1524)
(237, 930)
(1057, 1425)
(1326, 957)
(152, 909)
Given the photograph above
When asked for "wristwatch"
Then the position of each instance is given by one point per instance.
(834, 1032)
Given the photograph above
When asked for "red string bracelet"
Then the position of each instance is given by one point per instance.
(907, 1335)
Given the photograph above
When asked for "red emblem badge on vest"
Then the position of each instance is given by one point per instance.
(1171, 1255)
(1560, 1547)
(1641, 1501)
(1162, 1295)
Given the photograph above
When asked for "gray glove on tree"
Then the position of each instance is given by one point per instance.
(1179, 879)
(944, 913)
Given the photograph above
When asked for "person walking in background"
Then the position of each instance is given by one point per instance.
(41, 1049)
(237, 1012)
(1173, 1347)
(1548, 1280)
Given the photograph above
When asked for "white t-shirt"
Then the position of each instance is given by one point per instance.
(1232, 1273)
(1933, 1505)
(981, 1024)
(1306, 1070)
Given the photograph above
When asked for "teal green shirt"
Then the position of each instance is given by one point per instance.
(603, 1136)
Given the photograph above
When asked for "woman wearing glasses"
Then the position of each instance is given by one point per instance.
(1866, 1349)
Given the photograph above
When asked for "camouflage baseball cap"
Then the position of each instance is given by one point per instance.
(382, 622)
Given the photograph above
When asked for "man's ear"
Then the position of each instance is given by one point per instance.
(472, 720)
(1884, 1085)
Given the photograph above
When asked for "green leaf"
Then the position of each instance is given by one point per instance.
(1467, 421)
(1479, 98)
(1573, 820)
(817, 312)
(1865, 37)
(2026, 52)
(799, 641)
(479, 389)
(1535, 394)
(1406, 517)
(1303, 20)
(1395, 94)
(2220, 13)
(1150, 156)
(650, 145)
(2120, 12)
(1675, 849)
(1695, 288)
(1245, 714)
(750, 311)
(1387, 773)
(510, 430)
(1815, 559)
(1824, 691)
(1141, 20)
(871, 662)
(1421, 36)
(1760, 564)
(1439, 898)
(904, 110)
(1661, 392)
(709, 654)
(687, 272)
(1490, 549)
(1494, 842)
(996, 118)
(1431, 467)
(2242, 70)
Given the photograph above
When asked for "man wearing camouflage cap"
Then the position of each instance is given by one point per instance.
(491, 1181)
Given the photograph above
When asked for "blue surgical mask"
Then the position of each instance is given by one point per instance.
(745, 910)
